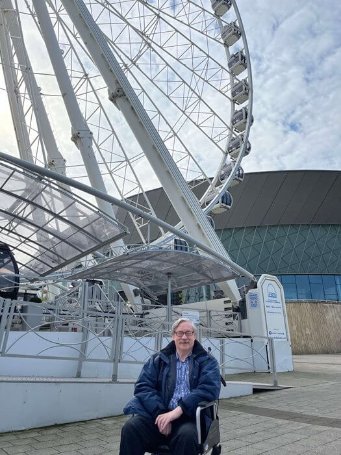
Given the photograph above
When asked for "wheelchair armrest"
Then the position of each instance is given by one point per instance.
(206, 404)
(213, 414)
(210, 437)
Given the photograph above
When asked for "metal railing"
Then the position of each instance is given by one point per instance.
(98, 338)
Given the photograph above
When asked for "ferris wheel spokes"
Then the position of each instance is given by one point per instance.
(185, 65)
(183, 200)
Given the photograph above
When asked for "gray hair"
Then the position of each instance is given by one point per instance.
(180, 320)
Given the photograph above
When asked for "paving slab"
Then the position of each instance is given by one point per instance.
(303, 418)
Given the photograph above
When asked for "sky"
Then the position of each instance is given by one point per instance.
(295, 49)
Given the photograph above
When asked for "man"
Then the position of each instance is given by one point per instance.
(171, 385)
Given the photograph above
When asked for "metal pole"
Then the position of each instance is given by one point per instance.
(209, 322)
(253, 355)
(9, 323)
(158, 340)
(222, 357)
(169, 301)
(273, 362)
(114, 341)
(3, 322)
(85, 331)
(118, 341)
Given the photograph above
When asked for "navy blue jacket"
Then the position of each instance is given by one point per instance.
(156, 383)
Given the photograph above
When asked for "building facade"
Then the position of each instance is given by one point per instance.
(288, 224)
(285, 223)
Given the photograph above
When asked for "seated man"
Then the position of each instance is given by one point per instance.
(171, 385)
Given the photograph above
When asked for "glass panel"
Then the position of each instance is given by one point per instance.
(290, 291)
(53, 226)
(317, 279)
(317, 292)
(338, 289)
(329, 287)
(290, 279)
(304, 294)
(331, 296)
(302, 281)
(338, 279)
(303, 287)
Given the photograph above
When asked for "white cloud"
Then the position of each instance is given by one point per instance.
(295, 54)
(296, 60)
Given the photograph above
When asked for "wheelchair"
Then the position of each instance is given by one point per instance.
(207, 423)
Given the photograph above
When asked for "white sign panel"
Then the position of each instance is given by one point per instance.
(255, 312)
(273, 307)
(192, 315)
(253, 300)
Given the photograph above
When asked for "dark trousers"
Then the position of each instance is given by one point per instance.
(140, 435)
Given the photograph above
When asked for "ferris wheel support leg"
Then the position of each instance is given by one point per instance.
(11, 81)
(15, 42)
(12, 43)
(81, 134)
(182, 198)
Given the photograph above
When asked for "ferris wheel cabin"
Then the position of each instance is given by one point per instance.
(240, 92)
(9, 273)
(224, 203)
(235, 146)
(239, 175)
(239, 119)
(220, 7)
(237, 63)
(226, 171)
(180, 245)
(230, 33)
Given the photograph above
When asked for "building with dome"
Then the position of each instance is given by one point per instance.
(287, 224)
(284, 223)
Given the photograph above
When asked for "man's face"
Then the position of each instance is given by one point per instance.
(184, 338)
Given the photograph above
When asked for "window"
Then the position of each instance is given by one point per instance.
(316, 279)
(303, 287)
(288, 279)
(329, 287)
(290, 291)
(311, 287)
(317, 292)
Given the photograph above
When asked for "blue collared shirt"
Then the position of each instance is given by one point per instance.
(182, 381)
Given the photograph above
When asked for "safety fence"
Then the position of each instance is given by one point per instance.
(101, 339)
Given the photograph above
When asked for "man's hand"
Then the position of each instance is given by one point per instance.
(163, 421)
(167, 431)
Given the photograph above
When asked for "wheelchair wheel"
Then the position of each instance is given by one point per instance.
(216, 450)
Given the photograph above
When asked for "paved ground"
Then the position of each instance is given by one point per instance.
(302, 419)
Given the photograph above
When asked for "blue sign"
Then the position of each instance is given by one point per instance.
(253, 300)
(272, 294)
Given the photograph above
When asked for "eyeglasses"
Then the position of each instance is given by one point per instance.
(180, 333)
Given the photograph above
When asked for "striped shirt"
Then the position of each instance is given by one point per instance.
(182, 381)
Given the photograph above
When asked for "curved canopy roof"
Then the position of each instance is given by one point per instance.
(151, 268)
(46, 225)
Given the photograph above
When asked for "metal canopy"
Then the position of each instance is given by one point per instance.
(46, 225)
(150, 269)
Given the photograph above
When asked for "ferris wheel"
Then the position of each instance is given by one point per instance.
(132, 95)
